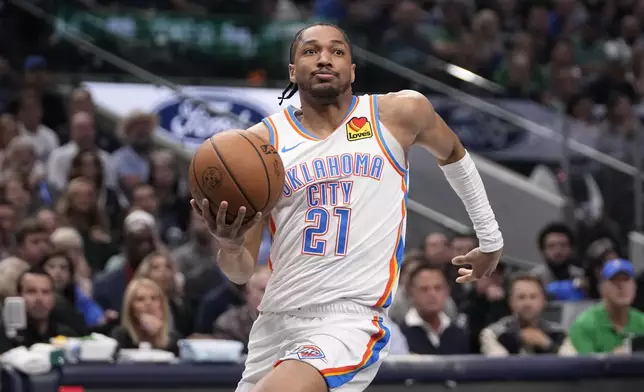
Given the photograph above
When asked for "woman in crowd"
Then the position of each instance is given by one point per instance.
(21, 162)
(172, 194)
(145, 318)
(88, 165)
(61, 269)
(159, 268)
(79, 209)
(68, 241)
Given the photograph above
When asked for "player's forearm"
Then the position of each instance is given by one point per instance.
(468, 185)
(237, 265)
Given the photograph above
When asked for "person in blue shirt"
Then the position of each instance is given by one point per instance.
(61, 269)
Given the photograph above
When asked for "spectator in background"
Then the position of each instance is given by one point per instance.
(197, 261)
(486, 38)
(448, 35)
(32, 241)
(462, 244)
(139, 241)
(236, 323)
(427, 328)
(131, 162)
(68, 240)
(21, 161)
(80, 100)
(38, 79)
(407, 40)
(588, 47)
(88, 165)
(438, 252)
(556, 243)
(172, 193)
(11, 269)
(30, 117)
(401, 304)
(78, 208)
(8, 131)
(145, 318)
(7, 228)
(83, 135)
(486, 303)
(61, 270)
(48, 218)
(159, 268)
(525, 331)
(586, 287)
(610, 326)
(145, 199)
(620, 137)
(37, 289)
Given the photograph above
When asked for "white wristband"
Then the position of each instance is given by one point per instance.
(468, 185)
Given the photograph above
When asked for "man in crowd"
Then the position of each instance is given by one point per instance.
(612, 325)
(83, 135)
(139, 241)
(32, 241)
(37, 289)
(525, 331)
(556, 243)
(427, 327)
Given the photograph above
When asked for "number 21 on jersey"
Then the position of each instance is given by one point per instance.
(320, 220)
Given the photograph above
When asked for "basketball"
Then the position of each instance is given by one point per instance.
(238, 167)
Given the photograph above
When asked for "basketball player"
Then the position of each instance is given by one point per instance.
(338, 229)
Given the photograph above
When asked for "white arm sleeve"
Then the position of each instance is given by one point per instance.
(468, 185)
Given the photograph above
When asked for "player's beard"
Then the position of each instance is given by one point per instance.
(326, 92)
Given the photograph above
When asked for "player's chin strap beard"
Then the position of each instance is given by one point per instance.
(288, 92)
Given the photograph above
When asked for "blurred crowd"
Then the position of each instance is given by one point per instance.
(97, 235)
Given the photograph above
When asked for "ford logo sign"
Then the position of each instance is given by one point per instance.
(189, 121)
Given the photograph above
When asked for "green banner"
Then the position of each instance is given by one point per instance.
(231, 38)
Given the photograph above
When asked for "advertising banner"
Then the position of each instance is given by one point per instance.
(187, 122)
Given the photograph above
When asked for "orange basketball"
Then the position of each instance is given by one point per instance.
(238, 167)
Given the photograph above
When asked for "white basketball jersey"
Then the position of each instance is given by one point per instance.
(339, 227)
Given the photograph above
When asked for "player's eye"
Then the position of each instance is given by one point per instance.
(338, 52)
(309, 51)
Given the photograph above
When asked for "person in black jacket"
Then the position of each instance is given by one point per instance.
(36, 287)
(427, 328)
(525, 331)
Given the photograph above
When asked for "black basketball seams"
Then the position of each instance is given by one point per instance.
(241, 190)
(268, 177)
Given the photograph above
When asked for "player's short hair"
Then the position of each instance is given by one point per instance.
(291, 89)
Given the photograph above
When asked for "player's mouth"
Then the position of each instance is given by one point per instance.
(325, 74)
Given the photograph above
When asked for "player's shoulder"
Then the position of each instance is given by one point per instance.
(260, 129)
(406, 110)
(404, 100)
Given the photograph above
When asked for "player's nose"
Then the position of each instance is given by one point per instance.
(324, 61)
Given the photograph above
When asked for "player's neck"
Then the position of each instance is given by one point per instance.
(323, 119)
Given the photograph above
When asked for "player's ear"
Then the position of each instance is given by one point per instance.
(291, 73)
(353, 73)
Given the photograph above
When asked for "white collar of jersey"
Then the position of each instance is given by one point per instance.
(413, 319)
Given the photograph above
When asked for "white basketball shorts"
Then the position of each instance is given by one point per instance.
(345, 342)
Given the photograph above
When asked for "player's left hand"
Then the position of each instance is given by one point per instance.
(481, 265)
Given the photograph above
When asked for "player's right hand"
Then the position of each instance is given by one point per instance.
(230, 237)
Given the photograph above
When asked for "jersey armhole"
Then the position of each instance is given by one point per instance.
(272, 131)
(382, 139)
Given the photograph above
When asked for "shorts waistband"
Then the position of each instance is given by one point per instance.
(347, 307)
